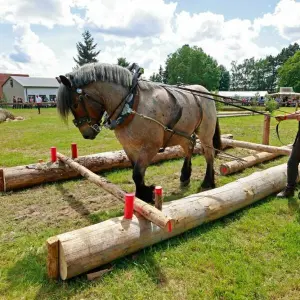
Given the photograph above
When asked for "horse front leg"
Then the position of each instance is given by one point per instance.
(144, 192)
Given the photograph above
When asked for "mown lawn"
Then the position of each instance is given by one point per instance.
(251, 254)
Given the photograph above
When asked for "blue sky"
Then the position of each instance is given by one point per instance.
(39, 37)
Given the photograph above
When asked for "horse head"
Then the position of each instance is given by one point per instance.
(85, 107)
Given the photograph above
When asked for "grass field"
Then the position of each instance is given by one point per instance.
(251, 254)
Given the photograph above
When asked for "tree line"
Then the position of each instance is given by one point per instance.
(191, 65)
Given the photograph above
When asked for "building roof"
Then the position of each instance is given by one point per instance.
(4, 77)
(36, 81)
(242, 93)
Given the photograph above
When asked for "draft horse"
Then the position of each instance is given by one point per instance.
(145, 116)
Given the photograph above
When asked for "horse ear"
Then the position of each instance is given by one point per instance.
(58, 79)
(65, 81)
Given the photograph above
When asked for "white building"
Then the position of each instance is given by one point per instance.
(29, 87)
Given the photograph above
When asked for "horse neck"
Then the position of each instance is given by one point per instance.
(111, 94)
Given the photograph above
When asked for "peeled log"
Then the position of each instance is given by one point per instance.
(258, 147)
(30, 175)
(249, 161)
(85, 249)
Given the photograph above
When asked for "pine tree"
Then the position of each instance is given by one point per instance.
(123, 62)
(85, 50)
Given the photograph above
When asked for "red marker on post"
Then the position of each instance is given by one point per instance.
(53, 154)
(74, 150)
(158, 197)
(128, 209)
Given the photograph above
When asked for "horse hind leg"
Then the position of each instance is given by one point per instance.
(209, 154)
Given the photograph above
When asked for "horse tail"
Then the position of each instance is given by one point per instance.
(217, 138)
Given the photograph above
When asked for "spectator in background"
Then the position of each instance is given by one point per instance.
(38, 101)
(294, 159)
(14, 101)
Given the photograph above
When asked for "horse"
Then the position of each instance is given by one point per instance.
(145, 116)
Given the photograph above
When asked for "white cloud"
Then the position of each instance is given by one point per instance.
(129, 18)
(286, 18)
(30, 55)
(47, 13)
(140, 30)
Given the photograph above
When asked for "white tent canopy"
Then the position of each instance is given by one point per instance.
(242, 93)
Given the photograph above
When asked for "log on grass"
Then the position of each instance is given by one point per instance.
(258, 147)
(249, 161)
(87, 248)
(146, 210)
(35, 174)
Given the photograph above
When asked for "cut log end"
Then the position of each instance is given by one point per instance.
(63, 268)
(52, 258)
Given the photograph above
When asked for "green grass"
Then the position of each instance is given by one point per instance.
(251, 254)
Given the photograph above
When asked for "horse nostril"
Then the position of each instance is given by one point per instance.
(86, 136)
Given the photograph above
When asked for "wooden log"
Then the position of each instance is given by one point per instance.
(146, 210)
(35, 174)
(258, 147)
(87, 248)
(249, 161)
(266, 130)
(52, 258)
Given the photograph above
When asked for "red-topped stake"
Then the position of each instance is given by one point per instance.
(53, 154)
(158, 197)
(128, 209)
(74, 150)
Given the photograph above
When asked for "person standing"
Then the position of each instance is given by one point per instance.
(38, 101)
(294, 159)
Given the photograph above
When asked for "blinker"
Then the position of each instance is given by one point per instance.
(79, 91)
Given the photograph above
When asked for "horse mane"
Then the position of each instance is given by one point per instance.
(87, 74)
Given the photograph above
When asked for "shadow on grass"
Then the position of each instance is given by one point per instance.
(294, 208)
(77, 205)
(30, 271)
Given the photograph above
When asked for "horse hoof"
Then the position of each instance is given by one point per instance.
(185, 183)
(207, 186)
(146, 194)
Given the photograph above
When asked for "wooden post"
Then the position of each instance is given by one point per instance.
(52, 258)
(2, 181)
(266, 130)
(53, 154)
(158, 197)
(146, 210)
(74, 150)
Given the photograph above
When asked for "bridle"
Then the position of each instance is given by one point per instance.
(97, 126)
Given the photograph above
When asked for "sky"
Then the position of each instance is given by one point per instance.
(39, 37)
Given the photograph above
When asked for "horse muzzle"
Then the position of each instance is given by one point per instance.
(90, 132)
